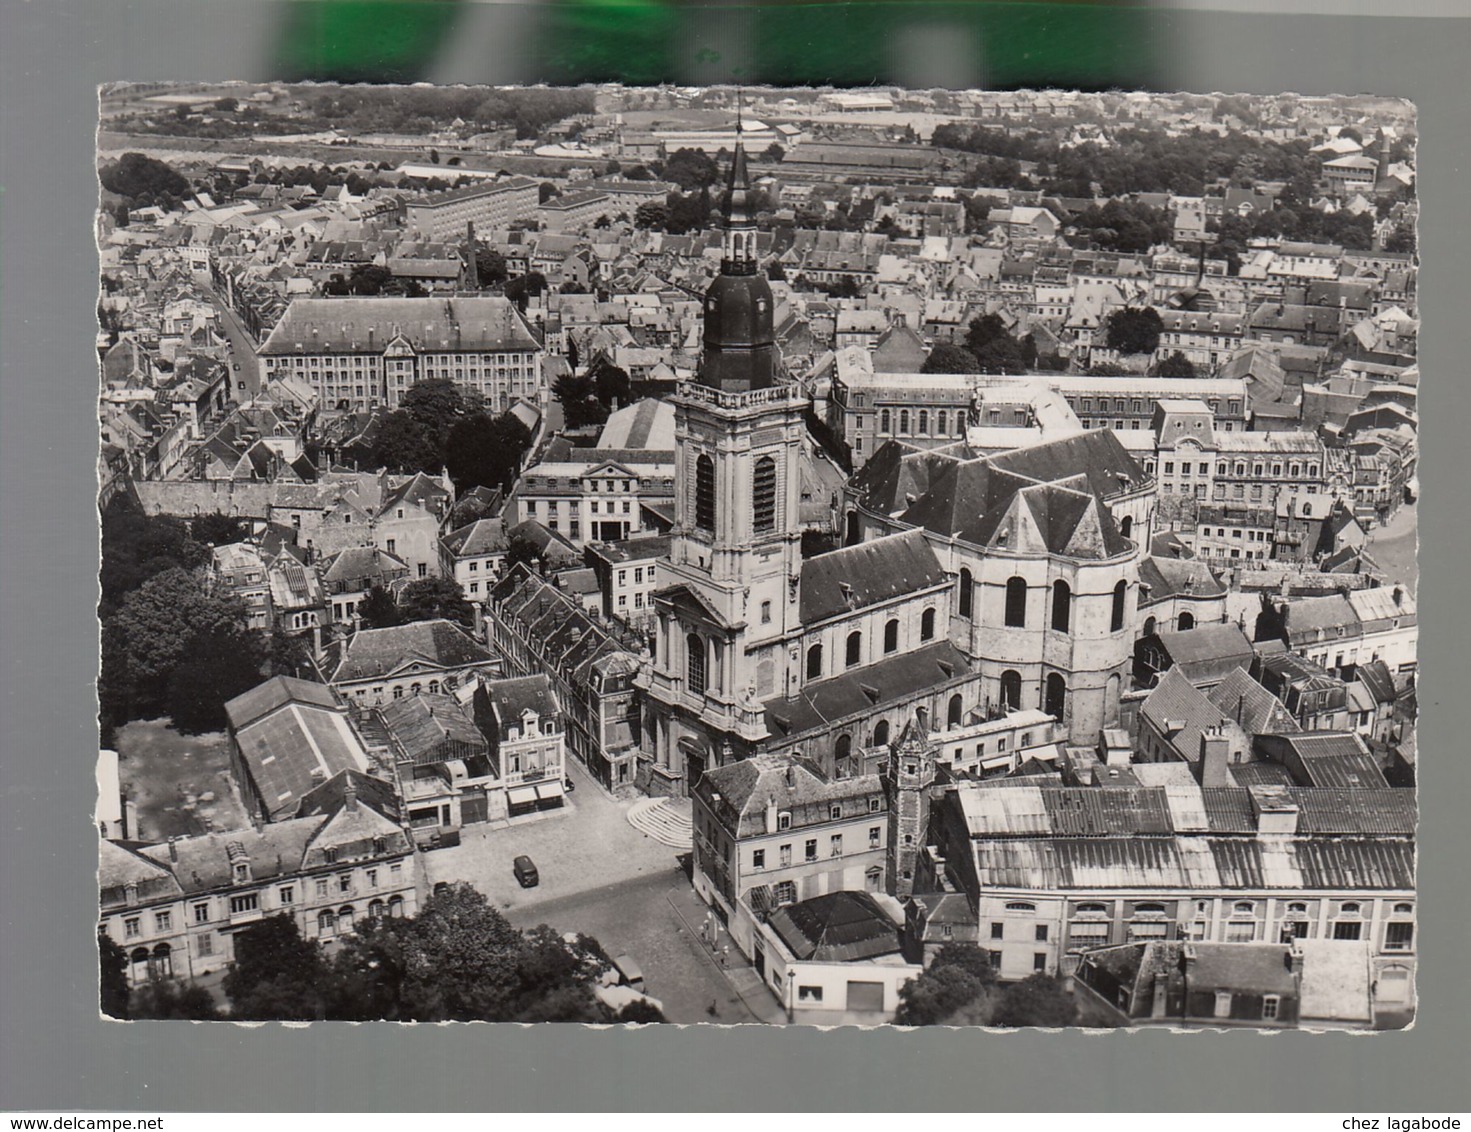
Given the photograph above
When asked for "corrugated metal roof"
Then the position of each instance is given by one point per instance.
(1195, 862)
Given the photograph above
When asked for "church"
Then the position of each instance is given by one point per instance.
(969, 585)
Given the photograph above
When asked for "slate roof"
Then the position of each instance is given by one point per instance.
(1254, 708)
(294, 749)
(866, 689)
(1178, 577)
(341, 325)
(1175, 700)
(514, 696)
(869, 573)
(1207, 653)
(275, 693)
(795, 784)
(836, 928)
(482, 537)
(374, 653)
(420, 724)
(954, 492)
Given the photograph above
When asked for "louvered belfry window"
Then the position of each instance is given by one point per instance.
(705, 493)
(763, 494)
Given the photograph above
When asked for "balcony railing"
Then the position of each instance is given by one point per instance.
(774, 394)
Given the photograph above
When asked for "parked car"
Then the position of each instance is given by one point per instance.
(568, 785)
(630, 974)
(525, 872)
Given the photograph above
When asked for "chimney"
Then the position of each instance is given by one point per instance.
(174, 850)
(1215, 758)
(771, 814)
(1295, 959)
(1159, 1003)
(1399, 595)
(791, 778)
(350, 794)
(130, 817)
(1275, 811)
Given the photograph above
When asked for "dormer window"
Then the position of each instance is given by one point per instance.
(784, 820)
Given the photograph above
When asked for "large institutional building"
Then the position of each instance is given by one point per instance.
(969, 584)
(364, 353)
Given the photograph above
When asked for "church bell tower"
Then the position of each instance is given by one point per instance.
(728, 604)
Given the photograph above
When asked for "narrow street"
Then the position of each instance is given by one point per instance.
(1393, 546)
(244, 381)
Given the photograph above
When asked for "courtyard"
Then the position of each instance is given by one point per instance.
(180, 784)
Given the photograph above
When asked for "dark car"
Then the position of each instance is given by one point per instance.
(568, 785)
(525, 872)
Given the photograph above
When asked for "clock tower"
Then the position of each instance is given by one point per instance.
(728, 605)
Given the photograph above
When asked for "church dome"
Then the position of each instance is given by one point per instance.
(738, 312)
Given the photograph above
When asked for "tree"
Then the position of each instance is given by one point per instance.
(227, 105)
(277, 975)
(983, 330)
(428, 599)
(490, 266)
(378, 610)
(969, 958)
(143, 180)
(152, 632)
(113, 961)
(216, 529)
(403, 444)
(776, 273)
(1176, 365)
(933, 997)
(640, 1011)
(434, 156)
(165, 999)
(651, 215)
(691, 169)
(1038, 1000)
(486, 451)
(1401, 240)
(1001, 355)
(774, 152)
(521, 549)
(547, 191)
(610, 382)
(215, 667)
(435, 404)
(136, 547)
(529, 286)
(947, 357)
(572, 354)
(1134, 330)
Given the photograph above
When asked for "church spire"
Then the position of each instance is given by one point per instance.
(740, 224)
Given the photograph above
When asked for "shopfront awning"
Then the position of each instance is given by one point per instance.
(522, 795)
(548, 790)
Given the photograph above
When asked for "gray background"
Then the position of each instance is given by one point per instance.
(56, 1054)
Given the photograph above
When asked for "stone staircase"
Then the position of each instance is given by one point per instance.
(666, 820)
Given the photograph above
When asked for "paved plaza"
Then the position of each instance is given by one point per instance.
(603, 877)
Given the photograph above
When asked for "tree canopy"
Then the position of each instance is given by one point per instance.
(486, 451)
(278, 975)
(1134, 330)
(379, 610)
(1176, 365)
(947, 357)
(144, 180)
(428, 599)
(157, 627)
